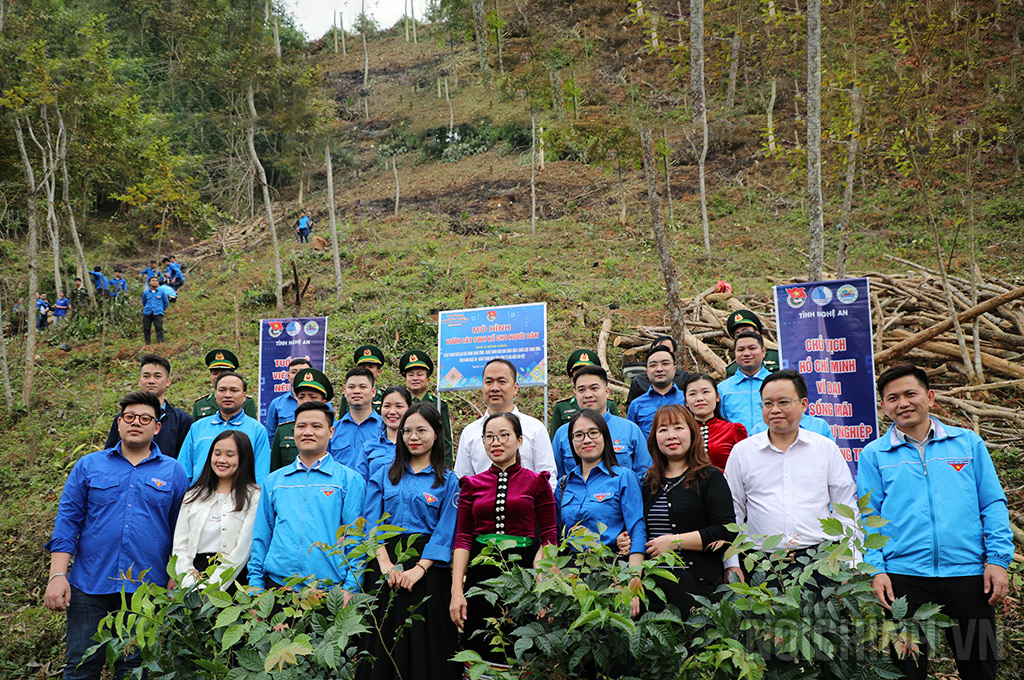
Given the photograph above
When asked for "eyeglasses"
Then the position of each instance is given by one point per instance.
(784, 404)
(141, 418)
(419, 433)
(588, 434)
(501, 437)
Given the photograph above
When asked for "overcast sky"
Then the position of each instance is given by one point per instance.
(316, 16)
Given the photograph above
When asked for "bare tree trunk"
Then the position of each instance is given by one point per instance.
(668, 177)
(394, 167)
(341, 24)
(451, 112)
(677, 319)
(480, 26)
(33, 276)
(277, 39)
(4, 367)
(366, 54)
(700, 111)
(856, 109)
(557, 92)
(533, 173)
(734, 67)
(975, 273)
(261, 174)
(540, 150)
(405, 15)
(338, 289)
(771, 120)
(622, 192)
(335, 31)
(814, 200)
(412, 9)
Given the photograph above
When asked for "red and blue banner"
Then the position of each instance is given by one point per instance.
(282, 340)
(825, 333)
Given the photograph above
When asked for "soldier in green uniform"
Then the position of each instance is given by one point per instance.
(416, 367)
(309, 385)
(745, 320)
(220, 361)
(372, 358)
(565, 409)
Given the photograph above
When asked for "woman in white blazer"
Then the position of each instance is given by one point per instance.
(217, 515)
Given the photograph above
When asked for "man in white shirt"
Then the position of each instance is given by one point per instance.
(786, 479)
(500, 387)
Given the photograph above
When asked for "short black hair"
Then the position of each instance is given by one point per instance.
(118, 270)
(166, 259)
(511, 367)
(140, 398)
(155, 359)
(359, 371)
(663, 338)
(655, 350)
(750, 334)
(300, 361)
(788, 374)
(99, 269)
(596, 371)
(231, 374)
(77, 279)
(316, 406)
(902, 370)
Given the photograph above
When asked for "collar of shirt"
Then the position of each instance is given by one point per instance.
(898, 436)
(429, 470)
(654, 394)
(578, 470)
(511, 470)
(317, 464)
(761, 374)
(765, 442)
(374, 416)
(233, 420)
(154, 451)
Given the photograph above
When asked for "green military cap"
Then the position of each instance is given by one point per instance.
(221, 358)
(368, 354)
(581, 357)
(310, 378)
(743, 317)
(415, 359)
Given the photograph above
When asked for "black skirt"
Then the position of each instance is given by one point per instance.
(477, 633)
(423, 650)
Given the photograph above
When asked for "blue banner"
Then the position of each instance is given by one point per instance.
(282, 340)
(468, 338)
(825, 332)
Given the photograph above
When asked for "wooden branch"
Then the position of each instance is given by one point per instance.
(602, 344)
(990, 361)
(706, 355)
(980, 388)
(927, 334)
(981, 410)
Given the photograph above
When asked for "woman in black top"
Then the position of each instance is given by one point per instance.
(687, 504)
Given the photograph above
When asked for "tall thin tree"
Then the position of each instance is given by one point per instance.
(261, 174)
(33, 256)
(480, 26)
(814, 200)
(338, 289)
(700, 110)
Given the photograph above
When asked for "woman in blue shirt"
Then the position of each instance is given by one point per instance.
(417, 493)
(600, 492)
(380, 453)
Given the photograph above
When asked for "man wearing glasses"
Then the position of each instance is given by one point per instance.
(500, 387)
(116, 518)
(786, 479)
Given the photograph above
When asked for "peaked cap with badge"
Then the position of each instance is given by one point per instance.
(311, 378)
(415, 359)
(368, 354)
(221, 358)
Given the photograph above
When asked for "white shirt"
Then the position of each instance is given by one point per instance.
(235, 540)
(787, 492)
(536, 452)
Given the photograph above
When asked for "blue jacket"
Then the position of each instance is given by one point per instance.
(149, 273)
(349, 438)
(807, 422)
(378, 454)
(642, 409)
(154, 302)
(280, 411)
(298, 508)
(417, 506)
(740, 396)
(627, 440)
(615, 502)
(100, 280)
(118, 286)
(174, 271)
(116, 518)
(196, 448)
(947, 513)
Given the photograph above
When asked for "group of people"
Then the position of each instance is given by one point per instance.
(256, 502)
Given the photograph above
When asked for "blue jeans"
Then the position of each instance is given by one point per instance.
(84, 615)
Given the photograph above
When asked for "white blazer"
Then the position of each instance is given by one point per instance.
(235, 536)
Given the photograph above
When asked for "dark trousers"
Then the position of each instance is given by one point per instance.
(85, 612)
(150, 320)
(303, 235)
(972, 639)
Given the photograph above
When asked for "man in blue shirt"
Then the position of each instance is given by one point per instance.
(282, 408)
(590, 386)
(154, 304)
(661, 370)
(42, 308)
(155, 378)
(151, 270)
(740, 393)
(60, 309)
(118, 284)
(116, 517)
(99, 280)
(174, 275)
(950, 539)
(229, 391)
(305, 504)
(303, 227)
(360, 425)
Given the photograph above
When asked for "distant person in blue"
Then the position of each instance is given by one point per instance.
(171, 293)
(42, 309)
(741, 392)
(282, 408)
(152, 270)
(229, 392)
(99, 280)
(61, 308)
(950, 539)
(661, 371)
(118, 284)
(380, 453)
(174, 275)
(154, 304)
(303, 508)
(116, 517)
(304, 227)
(590, 388)
(414, 492)
(360, 425)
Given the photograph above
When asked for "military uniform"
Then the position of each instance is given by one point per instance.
(372, 355)
(746, 320)
(283, 450)
(565, 409)
(225, 360)
(420, 359)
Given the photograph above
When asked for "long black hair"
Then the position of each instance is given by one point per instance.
(694, 377)
(402, 454)
(245, 475)
(608, 456)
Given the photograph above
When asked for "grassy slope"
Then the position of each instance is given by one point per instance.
(399, 269)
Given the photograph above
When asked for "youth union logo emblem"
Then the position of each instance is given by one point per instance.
(796, 297)
(822, 295)
(293, 328)
(847, 294)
